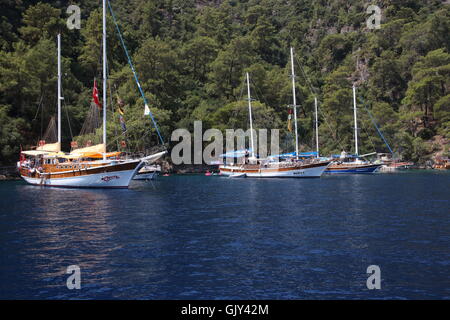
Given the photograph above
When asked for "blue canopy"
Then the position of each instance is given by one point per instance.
(347, 156)
(308, 154)
(293, 154)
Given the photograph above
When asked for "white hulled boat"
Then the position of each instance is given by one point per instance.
(292, 167)
(90, 167)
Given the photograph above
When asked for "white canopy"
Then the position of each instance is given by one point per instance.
(99, 148)
(35, 153)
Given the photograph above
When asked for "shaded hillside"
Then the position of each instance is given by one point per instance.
(191, 57)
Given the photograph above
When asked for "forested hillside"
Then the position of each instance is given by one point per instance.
(191, 57)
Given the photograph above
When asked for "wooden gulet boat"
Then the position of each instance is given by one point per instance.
(281, 169)
(267, 168)
(90, 167)
(356, 166)
(353, 164)
(83, 174)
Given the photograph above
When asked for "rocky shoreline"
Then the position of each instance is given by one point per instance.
(4, 177)
(9, 173)
(169, 168)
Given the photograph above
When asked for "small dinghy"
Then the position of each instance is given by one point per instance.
(148, 172)
(238, 175)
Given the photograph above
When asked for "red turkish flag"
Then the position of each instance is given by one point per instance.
(95, 94)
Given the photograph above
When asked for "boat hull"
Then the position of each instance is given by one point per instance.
(352, 169)
(307, 171)
(109, 176)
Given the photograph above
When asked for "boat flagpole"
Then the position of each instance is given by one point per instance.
(250, 115)
(59, 88)
(104, 78)
(295, 102)
(317, 127)
(356, 121)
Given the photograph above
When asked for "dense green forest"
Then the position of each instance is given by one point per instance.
(191, 57)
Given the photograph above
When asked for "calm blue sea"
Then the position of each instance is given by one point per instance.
(197, 237)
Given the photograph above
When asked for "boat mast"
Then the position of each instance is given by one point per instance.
(317, 127)
(250, 115)
(295, 102)
(59, 88)
(356, 121)
(104, 78)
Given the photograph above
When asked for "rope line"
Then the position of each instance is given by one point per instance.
(134, 72)
(375, 124)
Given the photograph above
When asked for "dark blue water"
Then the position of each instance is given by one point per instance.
(196, 237)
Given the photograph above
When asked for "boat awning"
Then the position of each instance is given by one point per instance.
(71, 156)
(293, 154)
(346, 156)
(308, 154)
(55, 155)
(98, 148)
(35, 153)
(95, 155)
(283, 155)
